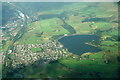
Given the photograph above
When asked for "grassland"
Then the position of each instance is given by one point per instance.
(89, 66)
(36, 50)
(75, 15)
(49, 28)
(6, 46)
(92, 67)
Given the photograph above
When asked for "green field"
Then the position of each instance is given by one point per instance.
(36, 49)
(103, 64)
(49, 28)
(70, 68)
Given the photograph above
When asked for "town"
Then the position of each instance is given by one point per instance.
(51, 51)
(71, 40)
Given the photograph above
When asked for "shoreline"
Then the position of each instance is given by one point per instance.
(72, 35)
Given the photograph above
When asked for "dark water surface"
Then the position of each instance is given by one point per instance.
(76, 44)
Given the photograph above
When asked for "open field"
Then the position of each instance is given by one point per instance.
(42, 31)
(96, 18)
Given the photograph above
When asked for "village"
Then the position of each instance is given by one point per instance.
(31, 47)
(52, 51)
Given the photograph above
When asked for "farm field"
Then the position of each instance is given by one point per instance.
(36, 52)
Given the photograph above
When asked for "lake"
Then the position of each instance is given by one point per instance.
(76, 43)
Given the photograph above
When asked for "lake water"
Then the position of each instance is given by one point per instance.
(76, 44)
